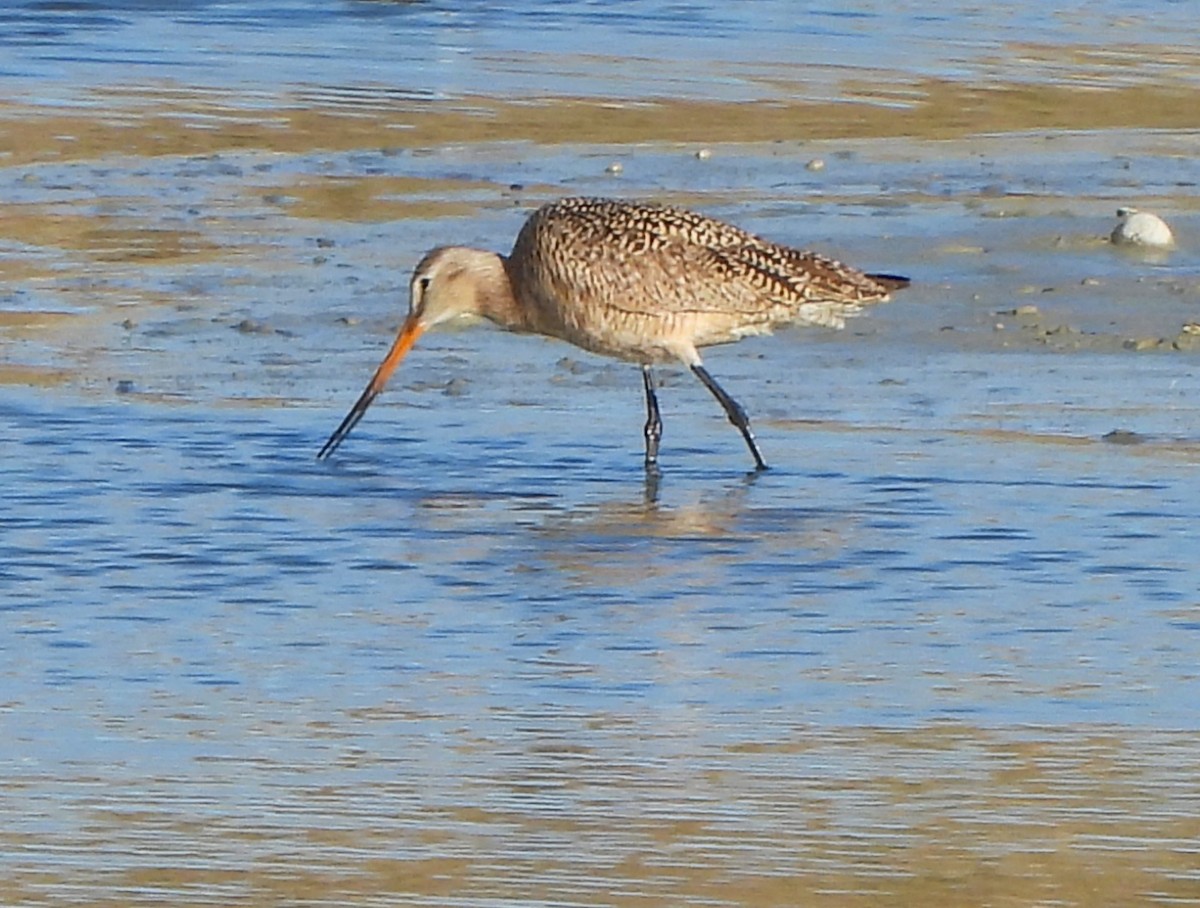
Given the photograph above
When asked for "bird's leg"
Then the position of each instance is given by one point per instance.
(734, 411)
(653, 430)
(650, 490)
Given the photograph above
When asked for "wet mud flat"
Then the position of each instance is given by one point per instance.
(942, 653)
(129, 230)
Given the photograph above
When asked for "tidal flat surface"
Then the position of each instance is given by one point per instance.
(945, 652)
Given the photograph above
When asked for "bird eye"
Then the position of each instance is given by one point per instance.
(419, 288)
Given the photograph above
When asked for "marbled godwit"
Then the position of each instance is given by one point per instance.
(644, 283)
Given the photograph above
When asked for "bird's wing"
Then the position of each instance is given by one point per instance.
(652, 261)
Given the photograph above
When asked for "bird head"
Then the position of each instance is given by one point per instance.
(445, 285)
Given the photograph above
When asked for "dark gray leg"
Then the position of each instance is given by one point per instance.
(734, 411)
(653, 428)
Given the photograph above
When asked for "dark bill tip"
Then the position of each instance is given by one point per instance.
(351, 420)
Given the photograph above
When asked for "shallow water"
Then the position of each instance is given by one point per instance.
(943, 652)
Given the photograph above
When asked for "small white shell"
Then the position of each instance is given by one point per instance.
(1141, 228)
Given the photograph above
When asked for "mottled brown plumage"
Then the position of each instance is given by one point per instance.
(640, 282)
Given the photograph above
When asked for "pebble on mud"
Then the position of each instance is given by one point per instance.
(251, 326)
(1141, 228)
(1123, 437)
(1021, 312)
(1139, 344)
(1188, 338)
(570, 365)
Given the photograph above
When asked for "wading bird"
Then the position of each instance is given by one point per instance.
(641, 282)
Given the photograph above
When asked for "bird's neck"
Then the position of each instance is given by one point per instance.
(494, 297)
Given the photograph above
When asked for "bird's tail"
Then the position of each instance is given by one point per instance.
(890, 281)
